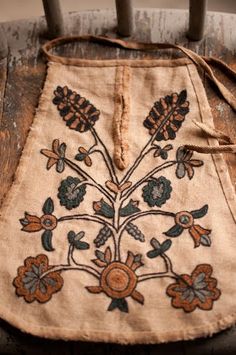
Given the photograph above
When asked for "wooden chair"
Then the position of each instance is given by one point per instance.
(22, 74)
(124, 8)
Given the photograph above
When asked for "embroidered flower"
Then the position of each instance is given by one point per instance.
(102, 208)
(185, 220)
(71, 193)
(157, 191)
(198, 290)
(167, 115)
(84, 156)
(56, 155)
(118, 280)
(185, 163)
(78, 112)
(47, 222)
(35, 281)
(162, 152)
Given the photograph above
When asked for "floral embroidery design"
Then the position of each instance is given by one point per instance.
(157, 191)
(70, 193)
(198, 290)
(116, 212)
(35, 281)
(185, 220)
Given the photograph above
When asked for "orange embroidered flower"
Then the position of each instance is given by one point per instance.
(198, 290)
(34, 282)
(185, 220)
(84, 156)
(118, 280)
(33, 223)
(46, 222)
(56, 155)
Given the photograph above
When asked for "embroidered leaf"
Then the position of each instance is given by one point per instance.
(167, 116)
(119, 303)
(81, 245)
(107, 255)
(158, 249)
(47, 240)
(166, 245)
(103, 208)
(104, 233)
(129, 209)
(117, 188)
(135, 232)
(71, 235)
(100, 255)
(153, 253)
(200, 213)
(162, 152)
(94, 289)
(48, 206)
(125, 186)
(75, 240)
(155, 243)
(205, 240)
(137, 296)
(174, 231)
(99, 263)
(112, 186)
(78, 112)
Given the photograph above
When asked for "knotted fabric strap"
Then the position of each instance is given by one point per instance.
(227, 146)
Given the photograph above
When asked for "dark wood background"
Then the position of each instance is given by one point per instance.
(22, 75)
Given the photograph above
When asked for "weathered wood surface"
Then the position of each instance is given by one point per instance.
(22, 75)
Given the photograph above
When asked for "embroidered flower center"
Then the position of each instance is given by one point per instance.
(157, 191)
(71, 192)
(118, 280)
(48, 221)
(184, 219)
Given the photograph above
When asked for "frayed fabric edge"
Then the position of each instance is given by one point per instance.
(126, 338)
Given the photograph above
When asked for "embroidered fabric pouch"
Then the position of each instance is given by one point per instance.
(114, 228)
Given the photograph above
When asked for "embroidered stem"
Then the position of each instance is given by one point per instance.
(144, 151)
(143, 214)
(87, 217)
(121, 117)
(136, 216)
(88, 179)
(168, 273)
(107, 158)
(72, 265)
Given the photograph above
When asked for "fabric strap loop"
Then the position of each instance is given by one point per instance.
(202, 62)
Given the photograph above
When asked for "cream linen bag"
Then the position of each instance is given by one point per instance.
(114, 229)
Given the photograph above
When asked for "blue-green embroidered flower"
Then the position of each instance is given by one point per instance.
(71, 194)
(157, 191)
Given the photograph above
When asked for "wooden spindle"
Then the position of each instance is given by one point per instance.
(124, 11)
(197, 16)
(54, 18)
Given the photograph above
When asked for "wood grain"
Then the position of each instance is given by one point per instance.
(22, 76)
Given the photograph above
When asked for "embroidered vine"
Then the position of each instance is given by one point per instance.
(117, 212)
